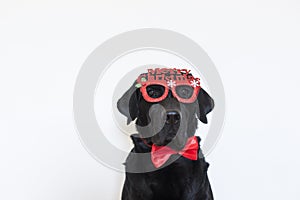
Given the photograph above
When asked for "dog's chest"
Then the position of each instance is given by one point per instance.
(176, 174)
(169, 182)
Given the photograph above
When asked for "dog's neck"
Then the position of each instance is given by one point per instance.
(146, 161)
(141, 145)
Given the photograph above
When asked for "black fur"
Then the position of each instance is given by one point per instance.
(179, 178)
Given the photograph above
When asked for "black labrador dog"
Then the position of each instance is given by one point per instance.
(167, 121)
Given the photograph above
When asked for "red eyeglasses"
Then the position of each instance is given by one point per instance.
(155, 85)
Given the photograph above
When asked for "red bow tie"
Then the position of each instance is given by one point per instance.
(160, 154)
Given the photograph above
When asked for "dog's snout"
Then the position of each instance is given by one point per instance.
(173, 117)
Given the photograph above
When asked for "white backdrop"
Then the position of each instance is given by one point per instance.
(255, 46)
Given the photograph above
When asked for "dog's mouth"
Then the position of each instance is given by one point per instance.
(171, 136)
(174, 143)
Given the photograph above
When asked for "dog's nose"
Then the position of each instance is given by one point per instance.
(173, 117)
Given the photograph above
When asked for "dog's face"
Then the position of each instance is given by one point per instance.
(167, 120)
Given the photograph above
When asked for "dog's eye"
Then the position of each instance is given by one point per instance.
(155, 91)
(184, 91)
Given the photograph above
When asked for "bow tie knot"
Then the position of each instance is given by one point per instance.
(160, 154)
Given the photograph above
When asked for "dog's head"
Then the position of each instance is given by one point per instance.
(166, 104)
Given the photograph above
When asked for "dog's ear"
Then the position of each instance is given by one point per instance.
(206, 104)
(128, 104)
